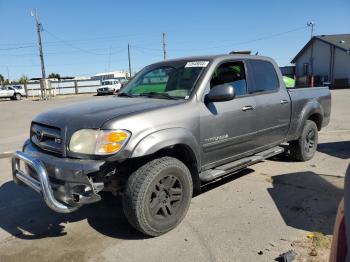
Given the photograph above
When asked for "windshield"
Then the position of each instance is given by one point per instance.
(105, 83)
(165, 81)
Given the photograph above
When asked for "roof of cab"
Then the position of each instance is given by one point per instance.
(214, 57)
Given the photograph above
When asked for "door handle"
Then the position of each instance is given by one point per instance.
(284, 102)
(246, 108)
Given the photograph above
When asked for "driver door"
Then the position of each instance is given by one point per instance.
(227, 129)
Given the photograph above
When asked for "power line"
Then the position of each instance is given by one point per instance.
(120, 49)
(147, 48)
(140, 48)
(245, 42)
(103, 38)
(68, 44)
(15, 48)
(84, 40)
(100, 38)
(89, 51)
(117, 50)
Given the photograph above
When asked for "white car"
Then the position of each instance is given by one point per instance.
(109, 86)
(12, 92)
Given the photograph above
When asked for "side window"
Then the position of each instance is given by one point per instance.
(263, 76)
(232, 73)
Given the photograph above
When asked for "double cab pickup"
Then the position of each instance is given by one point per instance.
(177, 125)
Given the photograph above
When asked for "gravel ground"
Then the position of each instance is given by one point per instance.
(254, 215)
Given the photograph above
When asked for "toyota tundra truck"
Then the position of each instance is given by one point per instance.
(176, 126)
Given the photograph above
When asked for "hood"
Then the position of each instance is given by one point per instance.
(94, 113)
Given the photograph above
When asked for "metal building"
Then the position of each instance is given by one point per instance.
(327, 59)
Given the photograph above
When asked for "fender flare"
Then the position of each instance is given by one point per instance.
(167, 138)
(312, 107)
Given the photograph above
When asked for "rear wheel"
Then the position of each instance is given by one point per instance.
(305, 147)
(157, 196)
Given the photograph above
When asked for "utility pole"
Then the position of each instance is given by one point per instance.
(39, 29)
(129, 60)
(109, 59)
(164, 46)
(8, 73)
(311, 24)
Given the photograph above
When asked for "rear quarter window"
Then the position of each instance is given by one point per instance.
(263, 76)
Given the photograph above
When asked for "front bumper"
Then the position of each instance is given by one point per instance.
(65, 184)
(105, 91)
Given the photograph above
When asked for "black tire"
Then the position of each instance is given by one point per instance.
(305, 147)
(17, 96)
(157, 196)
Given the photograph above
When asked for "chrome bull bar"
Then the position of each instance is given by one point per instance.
(42, 186)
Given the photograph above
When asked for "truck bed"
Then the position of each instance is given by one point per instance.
(304, 98)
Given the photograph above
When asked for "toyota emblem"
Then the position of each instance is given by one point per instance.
(39, 135)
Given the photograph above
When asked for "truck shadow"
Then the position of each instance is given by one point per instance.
(25, 216)
(306, 200)
(340, 149)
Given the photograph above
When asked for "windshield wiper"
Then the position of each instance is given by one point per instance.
(161, 95)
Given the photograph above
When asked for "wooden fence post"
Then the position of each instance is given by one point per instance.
(76, 87)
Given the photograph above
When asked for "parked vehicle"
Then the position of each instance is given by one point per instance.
(109, 86)
(177, 125)
(289, 82)
(12, 92)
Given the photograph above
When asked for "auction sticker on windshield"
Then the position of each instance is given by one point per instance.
(197, 64)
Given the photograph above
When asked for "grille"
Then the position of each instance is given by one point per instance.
(47, 137)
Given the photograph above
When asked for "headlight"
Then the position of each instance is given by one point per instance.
(98, 142)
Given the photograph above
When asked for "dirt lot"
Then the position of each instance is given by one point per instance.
(254, 215)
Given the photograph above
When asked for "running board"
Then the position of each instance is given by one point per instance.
(223, 170)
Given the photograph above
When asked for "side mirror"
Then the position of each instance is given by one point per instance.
(221, 93)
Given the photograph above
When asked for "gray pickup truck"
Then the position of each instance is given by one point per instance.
(176, 126)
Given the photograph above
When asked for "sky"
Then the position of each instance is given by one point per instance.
(81, 38)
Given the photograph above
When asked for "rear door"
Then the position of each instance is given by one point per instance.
(227, 129)
(273, 104)
(10, 91)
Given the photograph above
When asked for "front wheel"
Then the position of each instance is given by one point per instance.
(17, 96)
(157, 196)
(305, 147)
